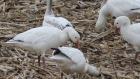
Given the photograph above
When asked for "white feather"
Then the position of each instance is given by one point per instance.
(73, 60)
(50, 18)
(41, 39)
(129, 32)
(116, 8)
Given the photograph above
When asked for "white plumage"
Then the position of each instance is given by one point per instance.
(129, 32)
(58, 22)
(41, 39)
(50, 18)
(116, 8)
(72, 60)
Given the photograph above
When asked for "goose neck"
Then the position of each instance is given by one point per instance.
(49, 7)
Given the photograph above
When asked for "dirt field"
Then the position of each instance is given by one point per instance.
(113, 56)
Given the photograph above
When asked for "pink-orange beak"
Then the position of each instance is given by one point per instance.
(78, 44)
(109, 14)
(117, 30)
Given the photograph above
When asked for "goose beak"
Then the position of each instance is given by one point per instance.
(117, 30)
(109, 14)
(78, 44)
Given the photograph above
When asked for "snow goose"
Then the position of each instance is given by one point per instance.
(129, 32)
(72, 60)
(41, 39)
(50, 18)
(116, 8)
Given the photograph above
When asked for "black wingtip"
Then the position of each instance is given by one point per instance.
(54, 48)
(56, 51)
(135, 9)
(19, 40)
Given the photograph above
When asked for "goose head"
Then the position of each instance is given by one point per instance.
(122, 21)
(73, 35)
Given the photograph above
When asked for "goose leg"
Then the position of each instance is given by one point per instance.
(62, 75)
(43, 59)
(39, 57)
(137, 53)
(33, 61)
(136, 57)
(26, 57)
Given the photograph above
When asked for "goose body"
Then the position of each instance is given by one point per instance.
(58, 22)
(116, 8)
(72, 60)
(41, 39)
(50, 18)
(129, 32)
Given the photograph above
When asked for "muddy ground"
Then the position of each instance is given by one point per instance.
(113, 56)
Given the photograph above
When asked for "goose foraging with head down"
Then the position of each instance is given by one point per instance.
(72, 60)
(41, 39)
(129, 32)
(50, 18)
(116, 8)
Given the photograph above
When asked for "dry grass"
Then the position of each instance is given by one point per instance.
(113, 56)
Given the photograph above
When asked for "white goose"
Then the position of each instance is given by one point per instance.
(50, 18)
(72, 60)
(129, 32)
(116, 8)
(41, 39)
